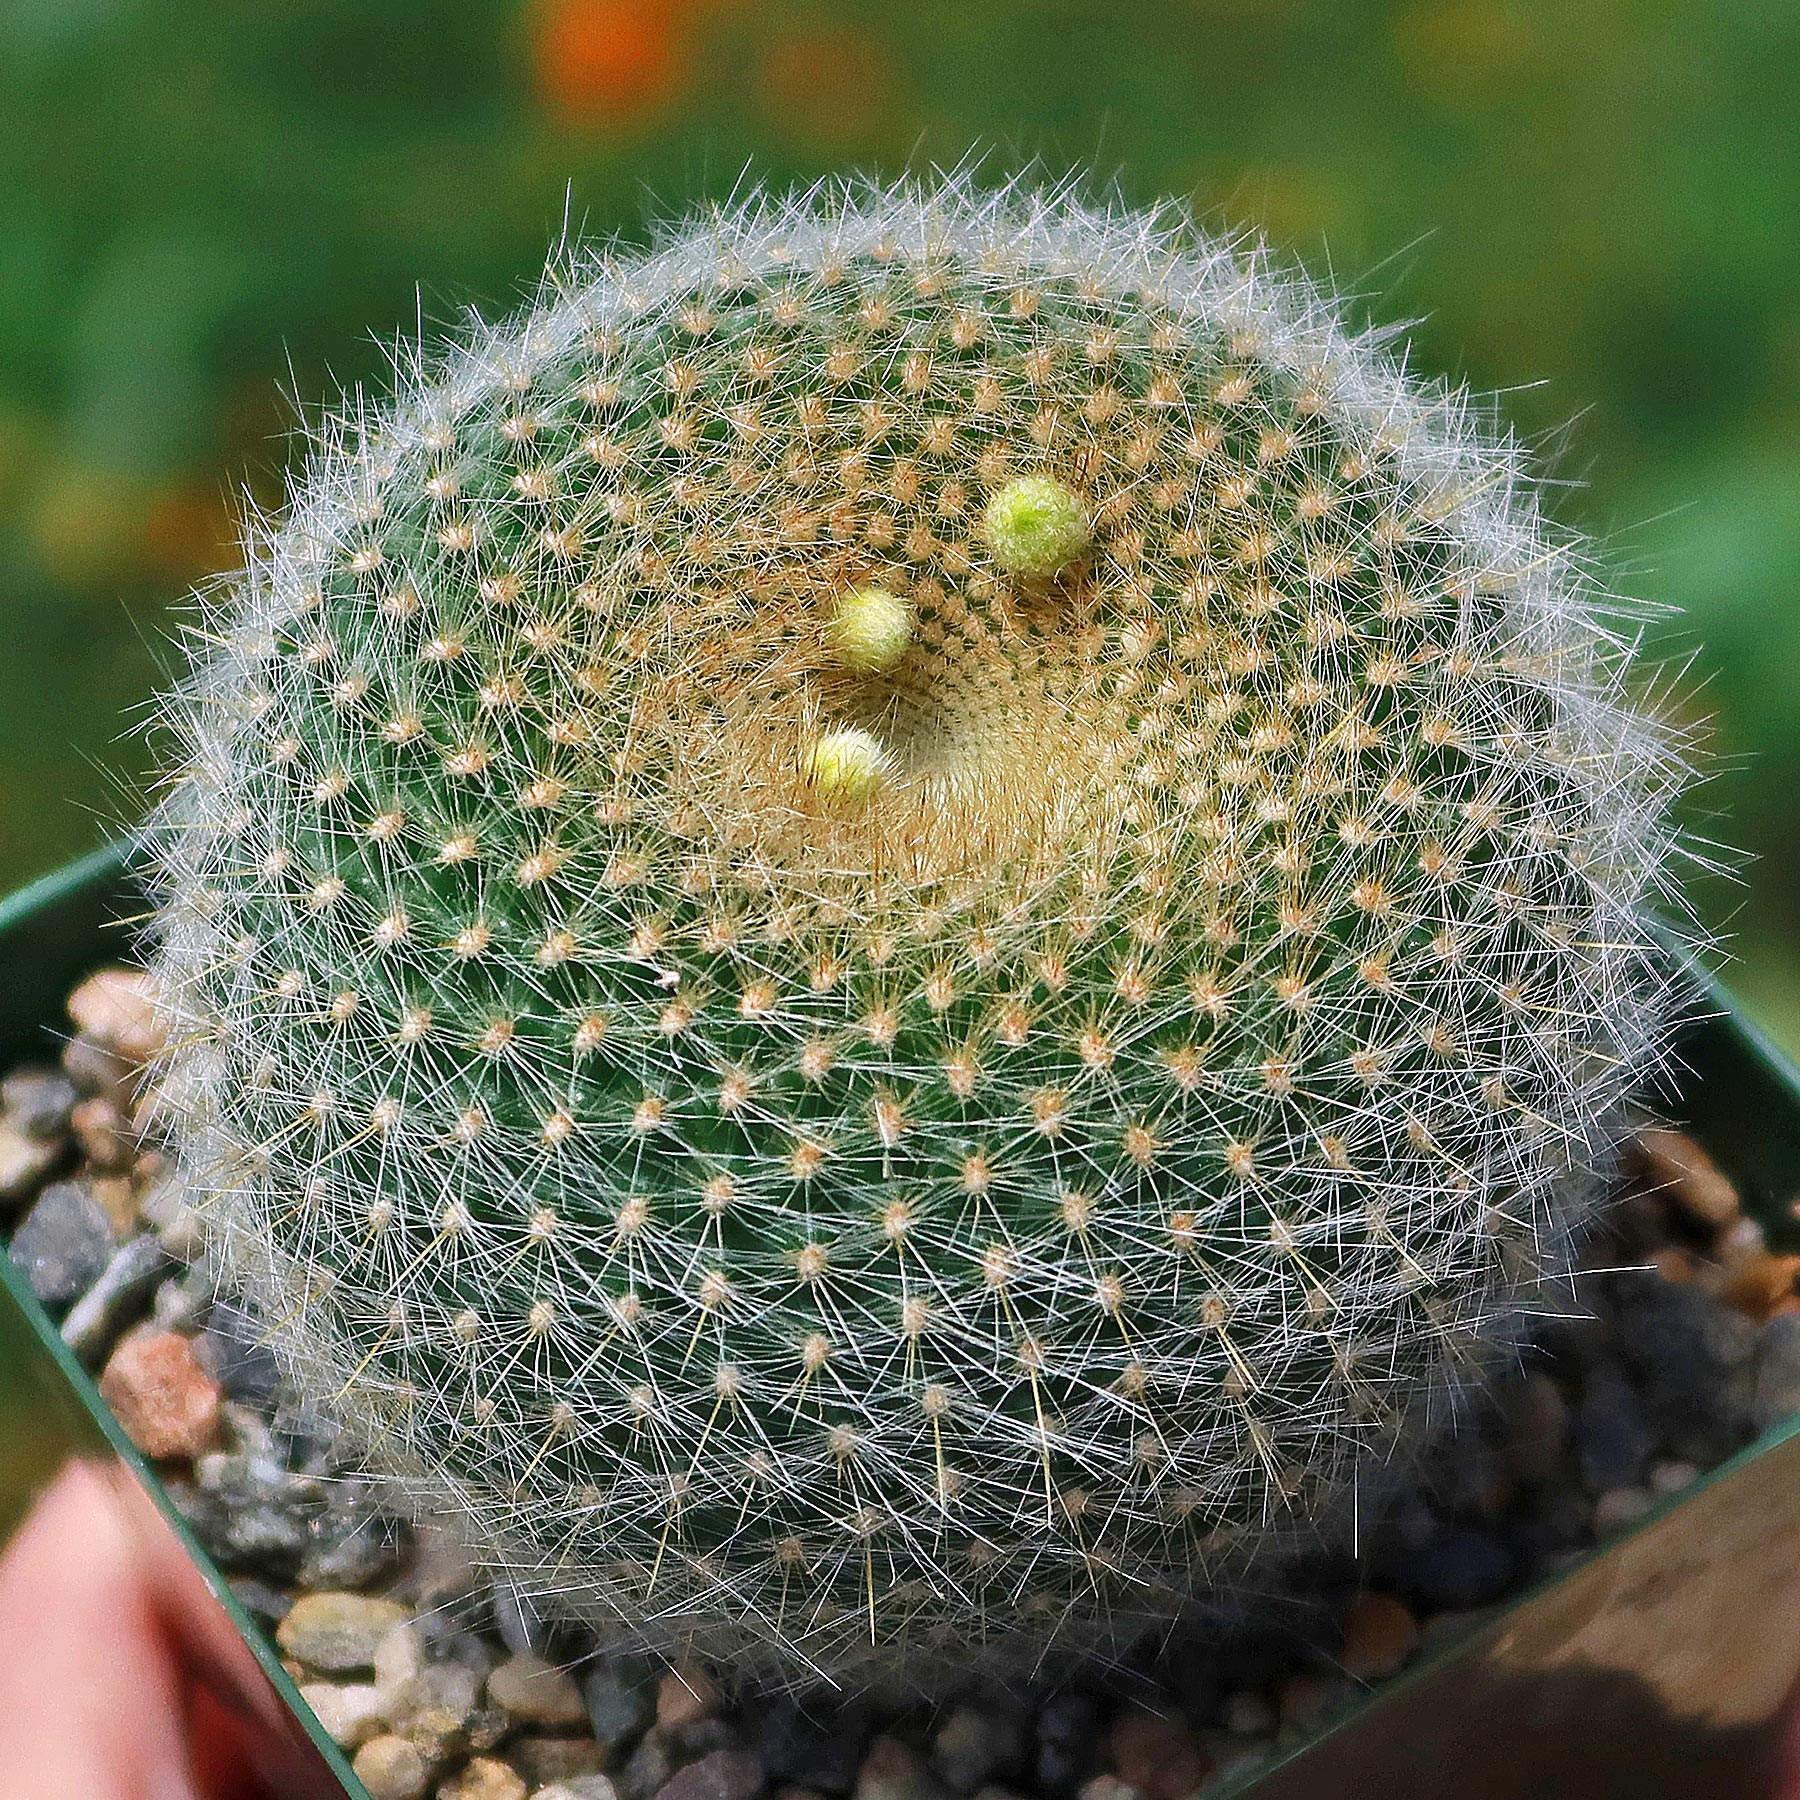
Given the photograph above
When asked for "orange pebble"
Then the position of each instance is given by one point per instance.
(1763, 1282)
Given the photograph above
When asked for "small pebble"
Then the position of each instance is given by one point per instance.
(1681, 1349)
(350, 1712)
(248, 1520)
(118, 1199)
(338, 1632)
(818, 1751)
(437, 1734)
(1676, 1165)
(455, 1687)
(516, 1618)
(1380, 1633)
(1158, 1755)
(1612, 1437)
(442, 1580)
(352, 1549)
(1068, 1734)
(24, 1161)
(391, 1768)
(117, 1009)
(104, 1134)
(1672, 1477)
(182, 1233)
(488, 1727)
(684, 1695)
(263, 1602)
(1742, 1239)
(544, 1760)
(235, 1349)
(968, 1747)
(891, 1771)
(485, 1778)
(1303, 1699)
(1775, 1380)
(724, 1775)
(167, 1403)
(647, 1768)
(1107, 1787)
(703, 1737)
(1463, 1567)
(617, 1692)
(450, 1626)
(1537, 1427)
(1675, 1264)
(399, 1664)
(583, 1787)
(163, 1196)
(1619, 1507)
(64, 1243)
(531, 1689)
(1248, 1713)
(181, 1306)
(38, 1102)
(1762, 1284)
(96, 1070)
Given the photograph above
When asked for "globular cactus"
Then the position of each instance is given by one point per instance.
(889, 928)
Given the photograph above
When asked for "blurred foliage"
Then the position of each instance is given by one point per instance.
(206, 205)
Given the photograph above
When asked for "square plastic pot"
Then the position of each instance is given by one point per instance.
(1666, 1662)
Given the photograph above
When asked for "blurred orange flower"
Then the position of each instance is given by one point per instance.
(608, 61)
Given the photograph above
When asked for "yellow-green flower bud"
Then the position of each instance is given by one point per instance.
(870, 629)
(1035, 527)
(846, 766)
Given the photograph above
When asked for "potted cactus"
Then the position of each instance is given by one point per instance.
(893, 941)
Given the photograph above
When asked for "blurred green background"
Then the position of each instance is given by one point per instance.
(1593, 205)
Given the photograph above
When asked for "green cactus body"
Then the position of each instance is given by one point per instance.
(824, 1136)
